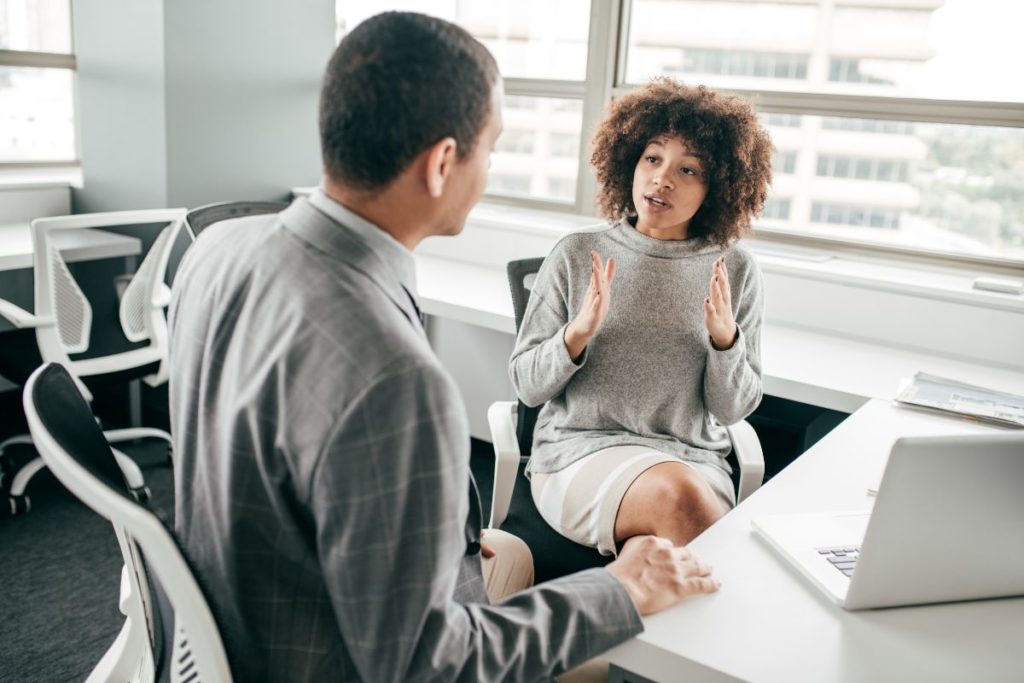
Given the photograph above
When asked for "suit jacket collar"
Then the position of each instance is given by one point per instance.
(378, 256)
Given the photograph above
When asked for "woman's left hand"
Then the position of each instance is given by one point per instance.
(718, 308)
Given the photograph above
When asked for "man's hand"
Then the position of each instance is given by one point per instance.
(718, 308)
(595, 306)
(657, 574)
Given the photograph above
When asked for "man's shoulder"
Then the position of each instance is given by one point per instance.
(228, 250)
(267, 284)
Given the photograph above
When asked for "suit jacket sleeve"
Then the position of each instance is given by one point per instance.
(389, 505)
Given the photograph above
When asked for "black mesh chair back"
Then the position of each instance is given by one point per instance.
(70, 422)
(553, 554)
(200, 218)
(166, 600)
(521, 275)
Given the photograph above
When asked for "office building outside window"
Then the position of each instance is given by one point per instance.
(892, 124)
(37, 109)
(907, 183)
(534, 42)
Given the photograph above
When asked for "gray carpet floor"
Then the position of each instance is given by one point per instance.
(60, 571)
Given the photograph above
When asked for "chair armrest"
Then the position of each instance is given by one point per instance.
(19, 317)
(501, 418)
(162, 298)
(750, 457)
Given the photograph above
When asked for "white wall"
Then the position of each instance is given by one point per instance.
(22, 203)
(186, 102)
(121, 105)
(243, 79)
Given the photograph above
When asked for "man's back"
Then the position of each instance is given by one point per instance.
(322, 471)
(276, 344)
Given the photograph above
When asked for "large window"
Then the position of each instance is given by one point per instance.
(897, 123)
(37, 111)
(541, 47)
(903, 153)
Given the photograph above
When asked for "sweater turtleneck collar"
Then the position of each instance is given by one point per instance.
(627, 235)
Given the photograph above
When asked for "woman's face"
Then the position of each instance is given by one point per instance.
(669, 186)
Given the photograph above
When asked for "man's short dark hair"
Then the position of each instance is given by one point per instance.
(397, 84)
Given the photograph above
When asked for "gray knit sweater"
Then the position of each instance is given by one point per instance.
(649, 376)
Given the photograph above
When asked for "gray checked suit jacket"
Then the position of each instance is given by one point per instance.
(322, 469)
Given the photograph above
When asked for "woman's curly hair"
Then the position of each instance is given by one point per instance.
(723, 130)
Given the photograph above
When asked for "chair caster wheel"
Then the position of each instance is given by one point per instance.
(142, 494)
(19, 504)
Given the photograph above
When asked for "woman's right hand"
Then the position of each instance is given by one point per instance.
(592, 313)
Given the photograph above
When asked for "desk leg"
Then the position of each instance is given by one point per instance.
(135, 402)
(131, 264)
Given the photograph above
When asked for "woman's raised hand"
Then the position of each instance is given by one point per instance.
(718, 308)
(592, 313)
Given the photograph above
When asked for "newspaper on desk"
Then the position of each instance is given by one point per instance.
(951, 396)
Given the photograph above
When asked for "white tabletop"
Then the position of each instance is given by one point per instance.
(811, 367)
(75, 245)
(769, 624)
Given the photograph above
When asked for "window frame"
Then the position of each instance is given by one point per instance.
(607, 45)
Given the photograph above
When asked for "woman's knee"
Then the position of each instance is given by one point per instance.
(689, 497)
(669, 500)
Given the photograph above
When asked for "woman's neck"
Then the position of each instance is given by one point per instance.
(675, 232)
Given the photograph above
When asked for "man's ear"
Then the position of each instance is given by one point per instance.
(441, 159)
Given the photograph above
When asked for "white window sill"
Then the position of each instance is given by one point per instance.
(26, 178)
(883, 273)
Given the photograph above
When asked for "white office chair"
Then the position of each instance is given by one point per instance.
(62, 323)
(169, 632)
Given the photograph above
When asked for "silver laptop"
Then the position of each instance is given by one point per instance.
(947, 525)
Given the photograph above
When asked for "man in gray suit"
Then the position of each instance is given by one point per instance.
(322, 463)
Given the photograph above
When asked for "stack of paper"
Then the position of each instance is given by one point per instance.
(951, 396)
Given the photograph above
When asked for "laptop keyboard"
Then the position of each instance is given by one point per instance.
(844, 559)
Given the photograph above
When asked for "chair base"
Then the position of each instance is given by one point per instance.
(18, 503)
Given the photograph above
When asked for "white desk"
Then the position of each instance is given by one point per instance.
(74, 245)
(769, 624)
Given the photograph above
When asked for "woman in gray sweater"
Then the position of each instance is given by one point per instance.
(642, 339)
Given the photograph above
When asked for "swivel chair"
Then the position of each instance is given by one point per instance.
(62, 323)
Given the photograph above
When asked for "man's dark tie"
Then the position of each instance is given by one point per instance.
(415, 306)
